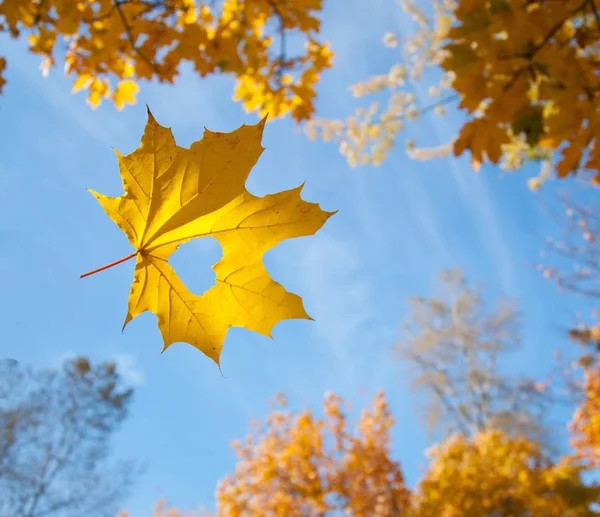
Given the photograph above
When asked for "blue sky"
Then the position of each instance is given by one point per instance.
(397, 226)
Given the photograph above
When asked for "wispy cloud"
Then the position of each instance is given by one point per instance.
(338, 296)
(471, 187)
(129, 370)
(475, 195)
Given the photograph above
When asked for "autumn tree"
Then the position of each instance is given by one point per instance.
(108, 46)
(304, 465)
(523, 72)
(493, 475)
(55, 430)
(454, 344)
(528, 70)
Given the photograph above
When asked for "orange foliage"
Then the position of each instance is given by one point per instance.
(305, 466)
(585, 426)
(299, 465)
(527, 70)
(493, 475)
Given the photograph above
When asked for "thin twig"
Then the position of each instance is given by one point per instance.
(131, 38)
(282, 45)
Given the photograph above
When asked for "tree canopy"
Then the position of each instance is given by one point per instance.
(109, 46)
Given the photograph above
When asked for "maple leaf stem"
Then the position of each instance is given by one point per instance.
(115, 263)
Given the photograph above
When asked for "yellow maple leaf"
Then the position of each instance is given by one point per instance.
(175, 194)
(124, 93)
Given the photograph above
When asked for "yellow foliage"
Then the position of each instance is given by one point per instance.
(303, 465)
(173, 195)
(585, 426)
(297, 464)
(492, 474)
(528, 69)
(125, 92)
(110, 41)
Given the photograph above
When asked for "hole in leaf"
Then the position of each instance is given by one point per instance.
(193, 263)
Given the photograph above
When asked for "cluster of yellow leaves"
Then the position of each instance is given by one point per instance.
(585, 425)
(175, 194)
(492, 474)
(112, 44)
(527, 69)
(300, 465)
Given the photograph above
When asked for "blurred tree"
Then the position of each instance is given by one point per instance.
(492, 475)
(304, 466)
(454, 346)
(110, 45)
(55, 427)
(585, 426)
(578, 247)
(299, 465)
(572, 261)
(412, 86)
